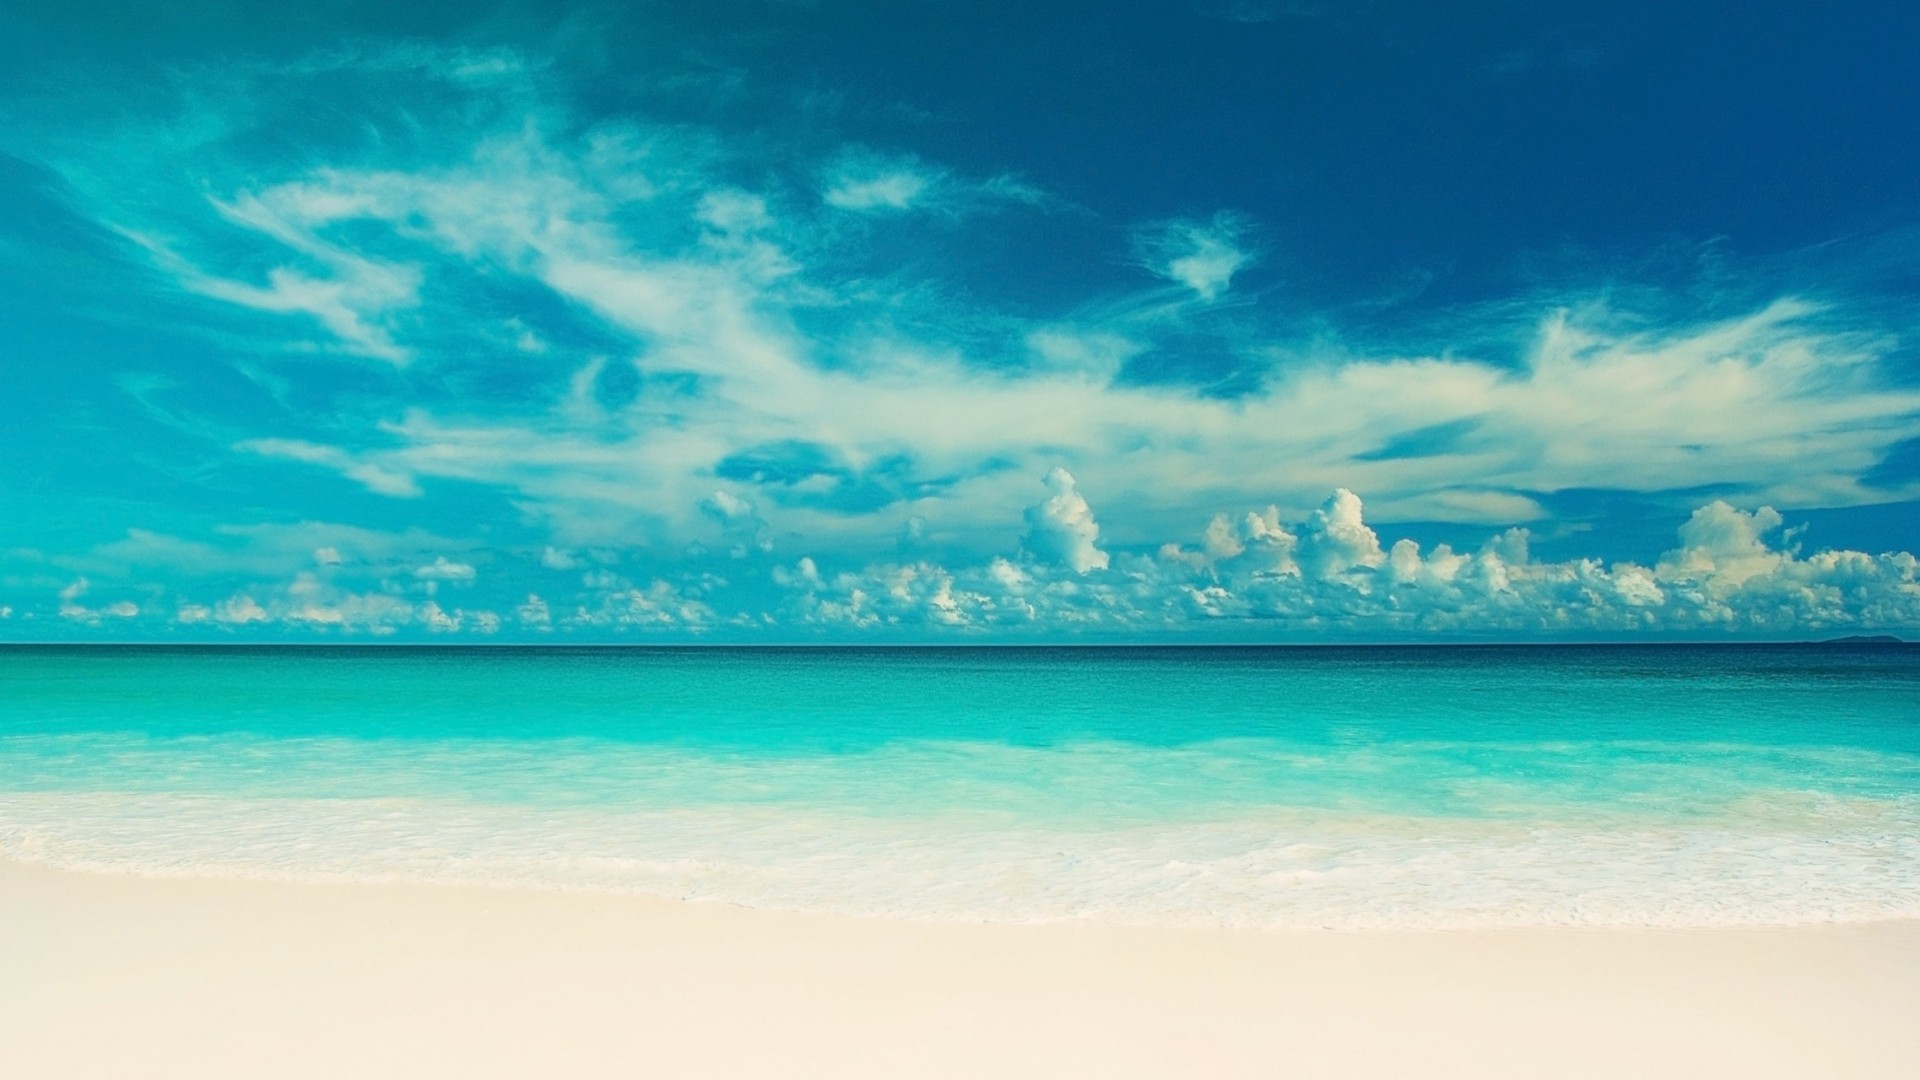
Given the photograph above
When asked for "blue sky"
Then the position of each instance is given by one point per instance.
(1221, 320)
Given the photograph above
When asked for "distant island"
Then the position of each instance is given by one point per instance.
(1865, 639)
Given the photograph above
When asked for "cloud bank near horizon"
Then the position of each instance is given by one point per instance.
(1251, 576)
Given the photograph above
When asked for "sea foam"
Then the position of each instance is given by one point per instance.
(957, 848)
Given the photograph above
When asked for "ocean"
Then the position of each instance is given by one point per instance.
(1347, 787)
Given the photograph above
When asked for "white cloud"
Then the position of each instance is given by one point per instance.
(726, 507)
(315, 603)
(1336, 540)
(1061, 527)
(660, 605)
(866, 182)
(739, 522)
(351, 301)
(1331, 575)
(554, 558)
(1726, 545)
(377, 478)
(72, 609)
(734, 211)
(870, 185)
(262, 551)
(1203, 256)
(535, 613)
(1095, 352)
(240, 609)
(437, 621)
(70, 606)
(445, 569)
(525, 340)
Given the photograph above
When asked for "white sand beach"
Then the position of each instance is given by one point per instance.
(109, 976)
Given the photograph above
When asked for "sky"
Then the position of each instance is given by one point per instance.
(1199, 320)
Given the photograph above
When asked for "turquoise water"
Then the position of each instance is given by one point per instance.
(1664, 785)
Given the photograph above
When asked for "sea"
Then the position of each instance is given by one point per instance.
(1287, 787)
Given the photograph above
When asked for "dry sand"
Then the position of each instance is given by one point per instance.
(130, 977)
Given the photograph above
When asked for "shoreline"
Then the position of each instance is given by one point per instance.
(111, 975)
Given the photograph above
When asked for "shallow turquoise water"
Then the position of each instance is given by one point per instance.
(1664, 785)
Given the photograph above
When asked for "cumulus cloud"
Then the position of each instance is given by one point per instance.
(554, 558)
(658, 605)
(1336, 540)
(1061, 527)
(1252, 574)
(314, 603)
(445, 569)
(322, 606)
(72, 609)
(241, 610)
(1330, 573)
(726, 507)
(535, 614)
(437, 621)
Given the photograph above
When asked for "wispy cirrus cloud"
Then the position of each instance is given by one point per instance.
(377, 478)
(872, 185)
(1203, 256)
